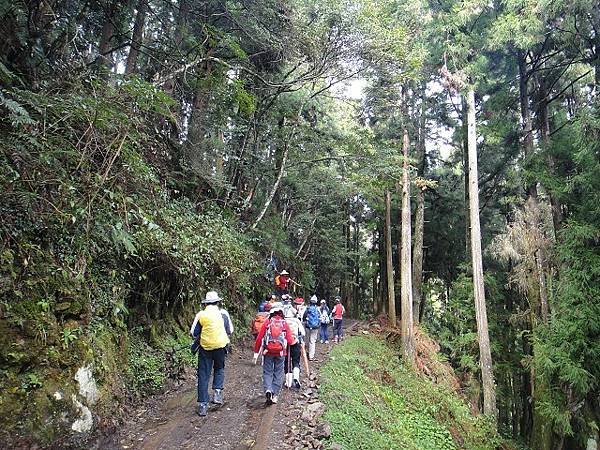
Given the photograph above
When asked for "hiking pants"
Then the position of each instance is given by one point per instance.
(323, 332)
(337, 329)
(273, 373)
(207, 361)
(312, 341)
(292, 360)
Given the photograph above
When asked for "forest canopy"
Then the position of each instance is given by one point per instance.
(440, 159)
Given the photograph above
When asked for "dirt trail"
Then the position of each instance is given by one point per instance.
(169, 421)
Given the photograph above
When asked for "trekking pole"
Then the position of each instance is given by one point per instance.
(305, 360)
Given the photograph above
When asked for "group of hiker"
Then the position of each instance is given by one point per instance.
(281, 329)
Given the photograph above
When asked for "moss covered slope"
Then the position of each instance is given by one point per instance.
(105, 252)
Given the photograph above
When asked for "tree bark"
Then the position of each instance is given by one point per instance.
(408, 339)
(417, 282)
(485, 355)
(465, 142)
(544, 123)
(136, 38)
(389, 264)
(532, 188)
(106, 35)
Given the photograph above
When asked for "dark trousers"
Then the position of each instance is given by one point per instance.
(207, 361)
(292, 358)
(338, 332)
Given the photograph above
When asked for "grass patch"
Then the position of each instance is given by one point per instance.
(375, 402)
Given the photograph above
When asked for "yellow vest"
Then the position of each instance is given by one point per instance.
(213, 328)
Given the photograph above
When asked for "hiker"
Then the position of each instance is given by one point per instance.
(211, 330)
(288, 308)
(272, 341)
(312, 323)
(300, 307)
(281, 282)
(259, 319)
(338, 314)
(325, 319)
(261, 306)
(292, 360)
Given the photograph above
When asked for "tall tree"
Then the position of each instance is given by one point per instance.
(408, 338)
(485, 353)
(391, 297)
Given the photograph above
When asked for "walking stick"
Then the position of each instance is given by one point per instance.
(305, 360)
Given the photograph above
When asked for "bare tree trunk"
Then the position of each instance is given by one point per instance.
(136, 38)
(485, 355)
(408, 339)
(417, 281)
(389, 265)
(466, 174)
(106, 35)
(544, 122)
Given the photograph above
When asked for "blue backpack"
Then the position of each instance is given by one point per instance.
(313, 319)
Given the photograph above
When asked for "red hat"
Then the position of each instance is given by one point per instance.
(299, 300)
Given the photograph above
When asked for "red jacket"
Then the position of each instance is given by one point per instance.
(289, 337)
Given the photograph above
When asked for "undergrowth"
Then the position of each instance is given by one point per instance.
(375, 402)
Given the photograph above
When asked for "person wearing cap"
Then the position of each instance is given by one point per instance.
(300, 307)
(312, 323)
(324, 316)
(338, 315)
(273, 341)
(211, 330)
(281, 282)
(288, 308)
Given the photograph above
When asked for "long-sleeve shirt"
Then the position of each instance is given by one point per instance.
(212, 328)
(289, 337)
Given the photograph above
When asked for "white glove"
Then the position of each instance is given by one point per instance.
(255, 358)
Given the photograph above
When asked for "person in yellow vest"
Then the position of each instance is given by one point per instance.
(211, 330)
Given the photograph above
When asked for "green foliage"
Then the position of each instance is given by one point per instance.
(146, 367)
(373, 402)
(95, 243)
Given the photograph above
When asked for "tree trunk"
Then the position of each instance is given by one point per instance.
(389, 264)
(465, 149)
(136, 39)
(408, 339)
(417, 281)
(544, 123)
(485, 355)
(532, 188)
(383, 304)
(355, 310)
(106, 35)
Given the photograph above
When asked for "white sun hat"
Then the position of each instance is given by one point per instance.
(212, 297)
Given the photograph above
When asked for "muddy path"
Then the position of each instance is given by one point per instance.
(169, 421)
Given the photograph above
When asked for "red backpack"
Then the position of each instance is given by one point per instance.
(274, 342)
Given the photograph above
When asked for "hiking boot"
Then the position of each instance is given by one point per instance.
(218, 397)
(269, 396)
(203, 409)
(296, 385)
(274, 399)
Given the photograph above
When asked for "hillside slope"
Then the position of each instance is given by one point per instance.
(375, 402)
